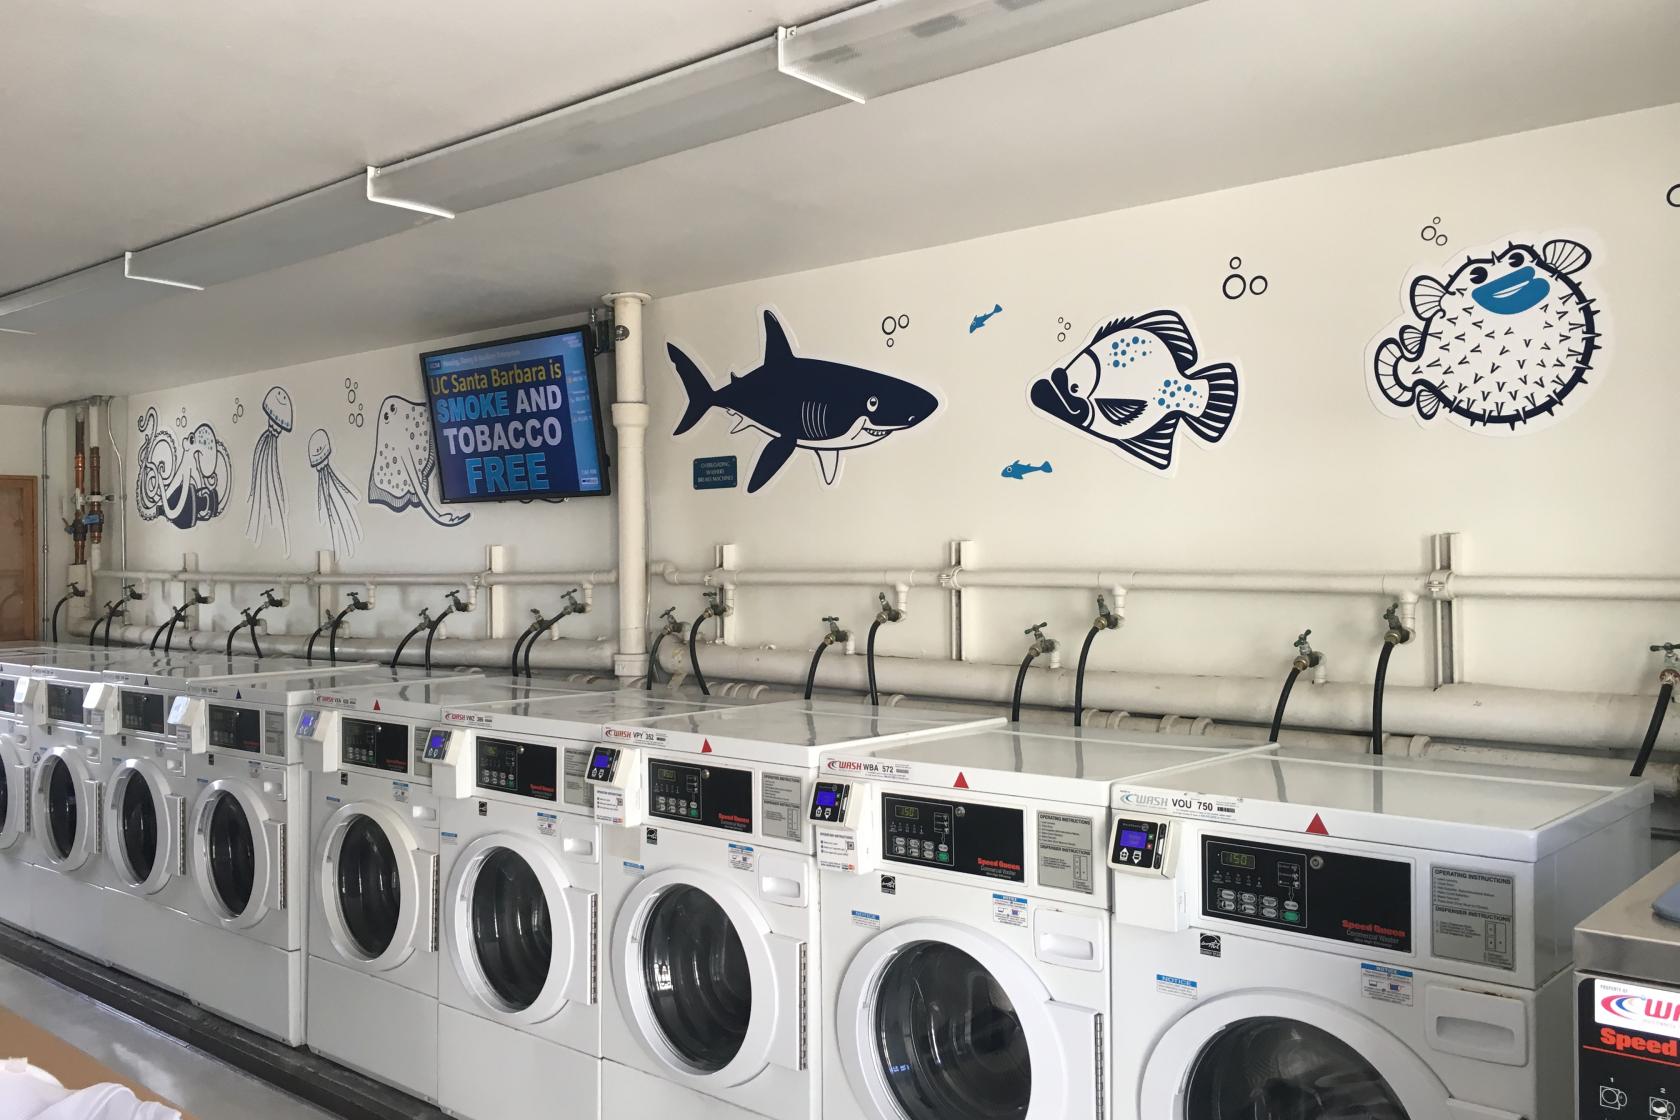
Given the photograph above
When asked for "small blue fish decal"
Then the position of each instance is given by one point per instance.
(1018, 469)
(1135, 384)
(984, 317)
(824, 407)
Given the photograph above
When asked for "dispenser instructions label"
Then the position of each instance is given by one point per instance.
(1065, 857)
(784, 806)
(575, 788)
(1474, 916)
(836, 851)
(1385, 984)
(1009, 910)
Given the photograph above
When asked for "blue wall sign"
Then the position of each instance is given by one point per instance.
(715, 473)
(515, 420)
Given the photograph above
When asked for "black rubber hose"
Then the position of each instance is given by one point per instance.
(232, 634)
(56, 609)
(254, 645)
(397, 656)
(1079, 677)
(1664, 696)
(1020, 685)
(811, 677)
(1377, 698)
(108, 619)
(1283, 702)
(332, 634)
(158, 633)
(431, 632)
(518, 646)
(694, 658)
(532, 644)
(653, 657)
(309, 647)
(169, 634)
(869, 659)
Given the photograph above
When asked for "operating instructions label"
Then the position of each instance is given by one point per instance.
(1064, 852)
(1474, 915)
(784, 806)
(575, 788)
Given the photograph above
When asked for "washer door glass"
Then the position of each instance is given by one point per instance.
(951, 1044)
(233, 854)
(61, 807)
(369, 887)
(697, 978)
(1280, 1069)
(139, 828)
(512, 935)
(5, 792)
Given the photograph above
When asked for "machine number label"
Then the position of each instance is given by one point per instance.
(741, 857)
(1009, 910)
(1183, 804)
(1474, 916)
(1385, 984)
(784, 806)
(1064, 852)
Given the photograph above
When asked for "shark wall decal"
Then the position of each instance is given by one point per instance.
(824, 407)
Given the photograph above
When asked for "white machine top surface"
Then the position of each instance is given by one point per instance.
(177, 667)
(1095, 756)
(294, 686)
(1379, 799)
(426, 698)
(587, 714)
(72, 657)
(802, 727)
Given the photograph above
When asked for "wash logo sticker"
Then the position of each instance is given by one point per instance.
(1135, 385)
(823, 407)
(1501, 345)
(183, 483)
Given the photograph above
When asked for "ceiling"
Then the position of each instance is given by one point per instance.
(189, 112)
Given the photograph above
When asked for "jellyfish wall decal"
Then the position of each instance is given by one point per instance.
(268, 483)
(335, 504)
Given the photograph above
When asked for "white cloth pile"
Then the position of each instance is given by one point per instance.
(28, 1093)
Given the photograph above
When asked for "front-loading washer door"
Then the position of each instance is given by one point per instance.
(520, 935)
(238, 849)
(142, 824)
(712, 994)
(375, 887)
(66, 808)
(1280, 1053)
(14, 803)
(938, 1020)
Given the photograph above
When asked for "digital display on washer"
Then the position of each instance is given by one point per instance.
(64, 703)
(828, 801)
(437, 745)
(380, 746)
(714, 796)
(143, 711)
(235, 729)
(1355, 899)
(8, 694)
(985, 840)
(602, 763)
(522, 769)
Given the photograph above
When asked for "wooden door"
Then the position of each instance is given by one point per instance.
(19, 545)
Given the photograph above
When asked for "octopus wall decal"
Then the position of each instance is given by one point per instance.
(183, 483)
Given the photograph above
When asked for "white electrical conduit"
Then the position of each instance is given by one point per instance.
(1591, 721)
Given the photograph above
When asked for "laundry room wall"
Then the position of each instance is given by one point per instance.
(224, 426)
(1293, 283)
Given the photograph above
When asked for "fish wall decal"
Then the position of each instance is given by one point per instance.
(984, 317)
(1135, 386)
(823, 407)
(1019, 470)
(1498, 346)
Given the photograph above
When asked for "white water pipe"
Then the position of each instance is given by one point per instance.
(361, 579)
(1590, 721)
(630, 421)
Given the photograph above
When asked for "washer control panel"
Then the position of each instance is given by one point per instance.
(1141, 846)
(984, 840)
(1321, 893)
(714, 796)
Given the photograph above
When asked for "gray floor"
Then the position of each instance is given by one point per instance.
(196, 1082)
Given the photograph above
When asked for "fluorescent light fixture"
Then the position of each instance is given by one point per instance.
(890, 45)
(91, 293)
(403, 203)
(130, 274)
(727, 95)
(13, 330)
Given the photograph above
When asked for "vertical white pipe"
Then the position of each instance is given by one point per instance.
(630, 420)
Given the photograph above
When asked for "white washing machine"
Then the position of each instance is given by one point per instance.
(16, 754)
(145, 797)
(519, 1022)
(372, 969)
(1329, 935)
(60, 855)
(710, 924)
(965, 921)
(246, 836)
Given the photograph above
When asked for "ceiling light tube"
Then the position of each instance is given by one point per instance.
(403, 203)
(130, 274)
(788, 66)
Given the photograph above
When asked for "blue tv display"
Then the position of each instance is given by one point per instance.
(517, 420)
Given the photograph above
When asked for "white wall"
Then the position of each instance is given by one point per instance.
(1313, 476)
(577, 534)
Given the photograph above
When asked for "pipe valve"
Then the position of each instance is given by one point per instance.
(270, 599)
(671, 625)
(458, 604)
(1671, 662)
(357, 603)
(1106, 619)
(715, 606)
(131, 594)
(835, 634)
(75, 591)
(889, 613)
(1398, 634)
(1305, 656)
(1041, 645)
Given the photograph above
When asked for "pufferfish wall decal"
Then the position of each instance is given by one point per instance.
(1508, 342)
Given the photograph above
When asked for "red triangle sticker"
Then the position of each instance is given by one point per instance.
(705, 746)
(1316, 828)
(961, 782)
(376, 705)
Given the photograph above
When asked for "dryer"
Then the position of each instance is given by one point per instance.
(245, 836)
(520, 978)
(371, 984)
(965, 920)
(1387, 939)
(710, 920)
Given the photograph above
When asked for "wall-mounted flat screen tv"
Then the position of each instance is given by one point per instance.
(517, 420)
